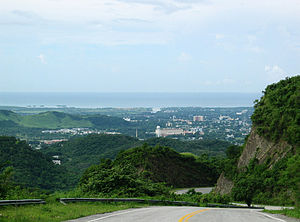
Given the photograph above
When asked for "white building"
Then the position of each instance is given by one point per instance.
(58, 162)
(168, 131)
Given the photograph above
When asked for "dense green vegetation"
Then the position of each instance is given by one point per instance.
(5, 181)
(277, 115)
(141, 171)
(57, 120)
(288, 212)
(27, 167)
(34, 168)
(56, 212)
(79, 153)
(261, 184)
(230, 162)
(277, 118)
(211, 147)
(163, 164)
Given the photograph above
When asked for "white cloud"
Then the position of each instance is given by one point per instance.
(184, 57)
(274, 73)
(164, 17)
(42, 58)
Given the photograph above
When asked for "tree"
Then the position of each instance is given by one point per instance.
(233, 152)
(5, 180)
(292, 175)
(245, 188)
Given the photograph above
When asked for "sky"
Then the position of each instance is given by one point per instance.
(147, 45)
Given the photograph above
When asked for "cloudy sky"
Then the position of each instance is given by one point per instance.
(147, 45)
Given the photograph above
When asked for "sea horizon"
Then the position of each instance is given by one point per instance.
(128, 99)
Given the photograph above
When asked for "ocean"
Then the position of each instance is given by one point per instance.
(128, 100)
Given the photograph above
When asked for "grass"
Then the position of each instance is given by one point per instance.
(51, 212)
(287, 212)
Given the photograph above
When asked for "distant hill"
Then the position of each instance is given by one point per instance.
(31, 168)
(56, 120)
(6, 115)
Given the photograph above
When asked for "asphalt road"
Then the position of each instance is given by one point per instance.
(201, 189)
(183, 214)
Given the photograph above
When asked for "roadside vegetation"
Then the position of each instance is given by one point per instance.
(287, 212)
(276, 181)
(55, 211)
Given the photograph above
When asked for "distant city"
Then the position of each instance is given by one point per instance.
(184, 123)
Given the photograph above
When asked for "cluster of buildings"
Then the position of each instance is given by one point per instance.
(163, 132)
(73, 131)
(169, 131)
(49, 142)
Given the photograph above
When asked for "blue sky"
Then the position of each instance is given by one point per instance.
(147, 45)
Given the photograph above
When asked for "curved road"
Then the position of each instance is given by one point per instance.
(200, 189)
(183, 214)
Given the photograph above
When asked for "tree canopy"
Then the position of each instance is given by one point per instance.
(276, 115)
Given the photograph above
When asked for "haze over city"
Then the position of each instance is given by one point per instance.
(147, 45)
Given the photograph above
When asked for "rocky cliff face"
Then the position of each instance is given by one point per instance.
(263, 150)
(224, 185)
(259, 148)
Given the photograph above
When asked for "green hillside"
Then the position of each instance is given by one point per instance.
(197, 147)
(272, 174)
(163, 164)
(6, 115)
(79, 153)
(30, 167)
(277, 114)
(141, 171)
(56, 120)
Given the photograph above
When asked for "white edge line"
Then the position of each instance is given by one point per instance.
(275, 218)
(112, 215)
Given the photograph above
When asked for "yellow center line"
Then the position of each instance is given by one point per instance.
(188, 216)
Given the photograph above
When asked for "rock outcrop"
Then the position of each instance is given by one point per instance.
(275, 135)
(261, 149)
(224, 185)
